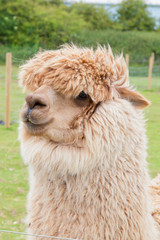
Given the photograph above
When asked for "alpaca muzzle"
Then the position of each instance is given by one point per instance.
(35, 110)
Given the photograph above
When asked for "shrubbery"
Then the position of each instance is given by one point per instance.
(96, 17)
(133, 42)
(133, 15)
(139, 45)
(26, 25)
(51, 23)
(31, 23)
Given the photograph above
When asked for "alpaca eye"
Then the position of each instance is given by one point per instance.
(82, 96)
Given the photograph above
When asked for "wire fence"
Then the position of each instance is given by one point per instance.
(138, 77)
(36, 235)
(143, 71)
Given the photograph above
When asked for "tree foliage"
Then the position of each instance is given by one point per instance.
(37, 23)
(138, 44)
(133, 15)
(96, 17)
(50, 23)
(14, 20)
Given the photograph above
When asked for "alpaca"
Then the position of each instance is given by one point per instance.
(82, 135)
(155, 193)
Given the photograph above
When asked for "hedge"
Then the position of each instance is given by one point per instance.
(139, 45)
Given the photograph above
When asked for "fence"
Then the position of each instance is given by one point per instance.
(37, 235)
(12, 98)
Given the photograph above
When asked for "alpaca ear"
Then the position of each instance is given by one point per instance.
(135, 98)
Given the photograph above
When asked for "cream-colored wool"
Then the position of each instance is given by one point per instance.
(88, 173)
(155, 193)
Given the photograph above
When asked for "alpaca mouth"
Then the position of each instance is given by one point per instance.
(33, 128)
(34, 120)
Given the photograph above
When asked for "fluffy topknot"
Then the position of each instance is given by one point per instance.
(71, 70)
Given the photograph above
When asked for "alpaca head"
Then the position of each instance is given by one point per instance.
(72, 91)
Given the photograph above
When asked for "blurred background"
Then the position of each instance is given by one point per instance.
(27, 27)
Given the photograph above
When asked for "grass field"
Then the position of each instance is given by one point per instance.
(13, 173)
(13, 183)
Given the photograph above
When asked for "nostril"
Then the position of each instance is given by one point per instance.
(35, 101)
(39, 104)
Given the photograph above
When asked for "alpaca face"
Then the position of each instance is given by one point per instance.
(45, 110)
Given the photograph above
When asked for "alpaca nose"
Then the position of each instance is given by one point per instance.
(35, 100)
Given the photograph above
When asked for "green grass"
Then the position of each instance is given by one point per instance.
(13, 183)
(141, 83)
(152, 114)
(13, 173)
